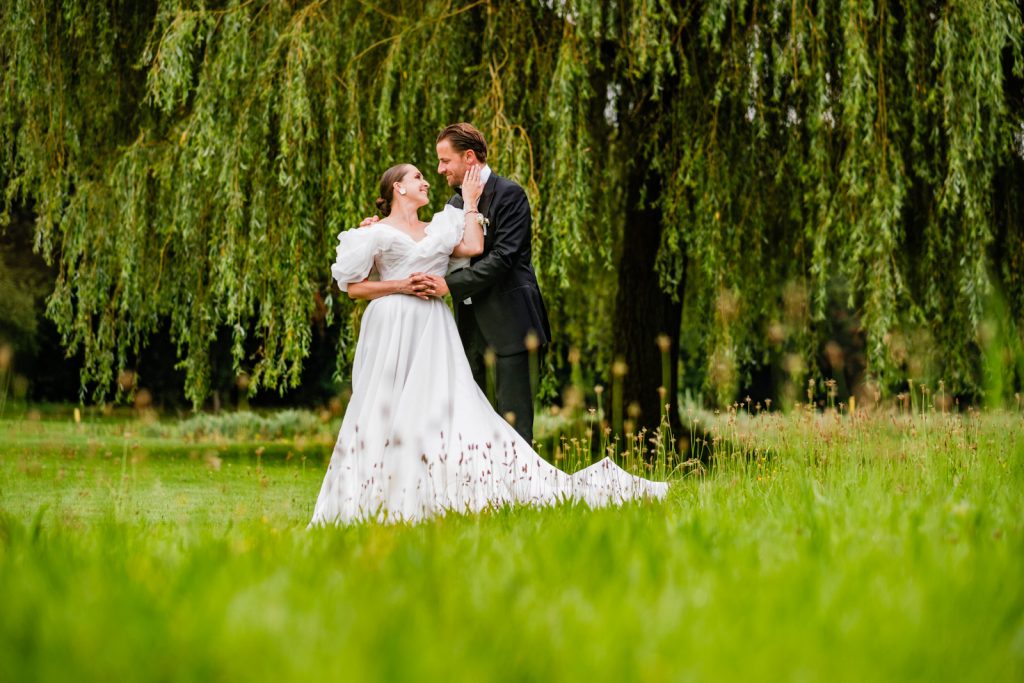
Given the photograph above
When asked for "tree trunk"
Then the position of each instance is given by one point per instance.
(644, 312)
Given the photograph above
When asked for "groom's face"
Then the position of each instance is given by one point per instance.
(451, 164)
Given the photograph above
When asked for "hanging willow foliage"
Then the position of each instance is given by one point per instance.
(191, 163)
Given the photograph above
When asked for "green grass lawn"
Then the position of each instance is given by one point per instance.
(878, 548)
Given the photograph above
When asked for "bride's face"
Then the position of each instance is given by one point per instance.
(416, 188)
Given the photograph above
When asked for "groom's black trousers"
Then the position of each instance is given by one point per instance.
(513, 390)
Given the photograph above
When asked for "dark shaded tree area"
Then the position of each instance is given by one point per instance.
(788, 191)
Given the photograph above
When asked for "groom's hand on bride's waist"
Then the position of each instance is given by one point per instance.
(431, 285)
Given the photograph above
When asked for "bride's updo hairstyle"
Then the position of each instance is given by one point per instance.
(387, 187)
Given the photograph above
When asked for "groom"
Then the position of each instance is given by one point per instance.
(497, 301)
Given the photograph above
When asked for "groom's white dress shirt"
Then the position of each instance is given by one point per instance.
(485, 173)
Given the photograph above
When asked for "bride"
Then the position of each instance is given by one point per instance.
(419, 437)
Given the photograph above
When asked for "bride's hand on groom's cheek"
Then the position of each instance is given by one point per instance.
(472, 188)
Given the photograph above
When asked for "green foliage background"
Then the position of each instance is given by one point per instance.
(191, 163)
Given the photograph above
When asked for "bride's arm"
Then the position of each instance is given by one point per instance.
(368, 290)
(472, 243)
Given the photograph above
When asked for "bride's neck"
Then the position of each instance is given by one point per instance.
(404, 214)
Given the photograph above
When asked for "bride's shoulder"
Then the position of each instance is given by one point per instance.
(363, 235)
(447, 226)
(365, 230)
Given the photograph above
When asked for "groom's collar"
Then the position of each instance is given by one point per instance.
(485, 174)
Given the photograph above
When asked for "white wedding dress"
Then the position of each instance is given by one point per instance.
(419, 437)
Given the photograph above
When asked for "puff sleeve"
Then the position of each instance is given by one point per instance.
(448, 225)
(357, 248)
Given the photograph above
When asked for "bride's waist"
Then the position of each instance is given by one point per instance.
(397, 299)
(401, 275)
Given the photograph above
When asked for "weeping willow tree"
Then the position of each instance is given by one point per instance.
(722, 172)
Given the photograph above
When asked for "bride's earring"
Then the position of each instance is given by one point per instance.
(401, 191)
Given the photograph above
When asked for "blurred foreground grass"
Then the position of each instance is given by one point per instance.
(886, 547)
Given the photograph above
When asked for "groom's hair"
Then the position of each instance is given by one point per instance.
(463, 136)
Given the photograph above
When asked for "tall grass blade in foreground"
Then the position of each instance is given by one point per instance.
(868, 548)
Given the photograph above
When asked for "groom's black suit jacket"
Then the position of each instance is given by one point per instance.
(501, 282)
